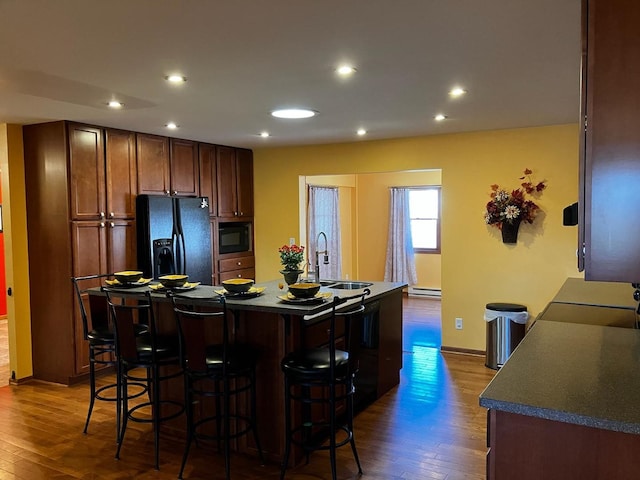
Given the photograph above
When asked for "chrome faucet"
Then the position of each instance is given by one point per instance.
(325, 252)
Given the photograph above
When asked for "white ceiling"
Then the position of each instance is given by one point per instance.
(518, 59)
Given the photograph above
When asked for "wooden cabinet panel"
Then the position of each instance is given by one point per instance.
(184, 167)
(611, 170)
(244, 182)
(153, 164)
(208, 182)
(236, 263)
(121, 245)
(121, 173)
(86, 164)
(226, 177)
(244, 273)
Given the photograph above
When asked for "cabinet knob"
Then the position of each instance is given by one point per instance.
(167, 192)
(239, 275)
(239, 263)
(101, 224)
(111, 214)
(112, 224)
(175, 192)
(101, 214)
(241, 213)
(235, 213)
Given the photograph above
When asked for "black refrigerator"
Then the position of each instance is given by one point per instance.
(174, 236)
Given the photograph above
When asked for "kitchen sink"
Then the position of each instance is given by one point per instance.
(350, 285)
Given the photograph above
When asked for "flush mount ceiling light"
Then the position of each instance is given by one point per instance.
(457, 92)
(171, 126)
(293, 113)
(115, 104)
(440, 117)
(264, 134)
(345, 70)
(175, 78)
(361, 131)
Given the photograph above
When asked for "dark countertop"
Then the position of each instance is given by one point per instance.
(268, 301)
(574, 373)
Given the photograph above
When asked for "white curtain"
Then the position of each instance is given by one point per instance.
(400, 265)
(324, 216)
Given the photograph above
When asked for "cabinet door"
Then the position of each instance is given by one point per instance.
(153, 164)
(226, 177)
(86, 164)
(612, 149)
(89, 245)
(244, 182)
(184, 167)
(121, 176)
(121, 245)
(208, 187)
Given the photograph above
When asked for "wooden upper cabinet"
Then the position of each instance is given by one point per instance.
(153, 164)
(611, 171)
(235, 182)
(184, 167)
(244, 182)
(86, 164)
(121, 173)
(208, 186)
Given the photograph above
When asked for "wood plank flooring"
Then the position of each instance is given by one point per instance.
(429, 427)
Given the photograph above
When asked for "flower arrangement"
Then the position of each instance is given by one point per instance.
(291, 256)
(513, 207)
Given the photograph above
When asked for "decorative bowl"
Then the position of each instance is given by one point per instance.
(304, 290)
(172, 281)
(128, 276)
(237, 285)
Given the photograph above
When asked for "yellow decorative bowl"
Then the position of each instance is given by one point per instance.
(237, 285)
(304, 290)
(172, 281)
(128, 276)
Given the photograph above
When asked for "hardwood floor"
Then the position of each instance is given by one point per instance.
(4, 352)
(429, 427)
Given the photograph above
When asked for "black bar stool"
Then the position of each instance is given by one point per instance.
(157, 354)
(98, 331)
(312, 371)
(217, 371)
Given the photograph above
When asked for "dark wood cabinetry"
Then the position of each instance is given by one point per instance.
(82, 182)
(610, 169)
(167, 166)
(235, 180)
(80, 217)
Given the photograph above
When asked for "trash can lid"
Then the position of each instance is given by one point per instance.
(506, 307)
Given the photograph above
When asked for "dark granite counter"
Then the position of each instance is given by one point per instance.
(580, 374)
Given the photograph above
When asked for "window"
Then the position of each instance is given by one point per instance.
(424, 210)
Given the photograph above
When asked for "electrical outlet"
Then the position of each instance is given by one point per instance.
(292, 241)
(458, 323)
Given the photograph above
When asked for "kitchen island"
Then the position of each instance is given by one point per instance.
(566, 405)
(274, 328)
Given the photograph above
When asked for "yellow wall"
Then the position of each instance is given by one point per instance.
(14, 214)
(477, 267)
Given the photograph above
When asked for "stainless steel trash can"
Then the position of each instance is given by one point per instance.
(506, 326)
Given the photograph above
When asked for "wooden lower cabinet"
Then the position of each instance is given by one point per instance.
(236, 267)
(531, 448)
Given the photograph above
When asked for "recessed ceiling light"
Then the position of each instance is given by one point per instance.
(293, 113)
(361, 131)
(264, 134)
(457, 92)
(115, 104)
(175, 78)
(345, 70)
(171, 126)
(440, 117)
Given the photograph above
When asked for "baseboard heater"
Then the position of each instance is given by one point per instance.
(424, 292)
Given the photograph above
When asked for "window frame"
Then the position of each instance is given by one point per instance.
(438, 189)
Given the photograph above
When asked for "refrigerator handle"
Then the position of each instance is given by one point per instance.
(183, 253)
(176, 254)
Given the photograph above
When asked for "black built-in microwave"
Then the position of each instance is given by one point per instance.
(234, 237)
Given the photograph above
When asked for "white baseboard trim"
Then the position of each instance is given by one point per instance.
(425, 292)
